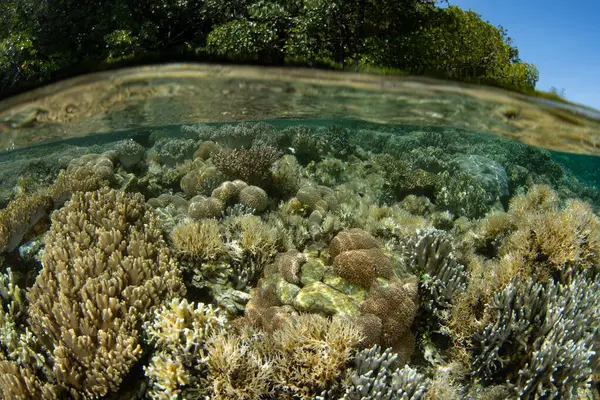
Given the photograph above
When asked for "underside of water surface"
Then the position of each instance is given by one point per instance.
(235, 236)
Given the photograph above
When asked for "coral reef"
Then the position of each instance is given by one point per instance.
(200, 240)
(21, 214)
(254, 198)
(84, 174)
(170, 151)
(130, 153)
(374, 377)
(253, 166)
(105, 265)
(546, 332)
(333, 261)
(178, 332)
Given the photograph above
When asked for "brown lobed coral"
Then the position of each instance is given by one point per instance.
(105, 268)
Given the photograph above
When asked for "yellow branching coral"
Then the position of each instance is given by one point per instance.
(299, 360)
(22, 213)
(550, 240)
(17, 382)
(179, 331)
(105, 268)
(200, 240)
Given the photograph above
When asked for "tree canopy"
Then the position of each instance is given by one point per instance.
(41, 39)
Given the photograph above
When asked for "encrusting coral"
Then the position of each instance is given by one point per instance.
(105, 266)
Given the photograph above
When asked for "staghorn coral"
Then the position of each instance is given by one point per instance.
(105, 265)
(252, 244)
(21, 214)
(178, 332)
(254, 198)
(545, 331)
(253, 166)
(199, 240)
(239, 366)
(374, 377)
(442, 277)
(556, 242)
(298, 360)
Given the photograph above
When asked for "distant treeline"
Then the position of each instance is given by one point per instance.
(42, 40)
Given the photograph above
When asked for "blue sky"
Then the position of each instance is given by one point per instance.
(562, 39)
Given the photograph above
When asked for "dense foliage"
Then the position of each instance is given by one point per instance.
(40, 39)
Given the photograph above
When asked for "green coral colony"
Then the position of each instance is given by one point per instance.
(290, 261)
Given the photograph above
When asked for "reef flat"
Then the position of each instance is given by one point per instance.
(298, 260)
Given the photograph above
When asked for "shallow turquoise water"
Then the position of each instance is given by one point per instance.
(191, 232)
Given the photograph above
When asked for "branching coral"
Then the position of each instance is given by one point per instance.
(442, 277)
(547, 332)
(200, 240)
(253, 166)
(105, 265)
(178, 332)
(299, 360)
(374, 377)
(252, 244)
(21, 214)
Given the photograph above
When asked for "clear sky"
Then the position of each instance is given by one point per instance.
(562, 39)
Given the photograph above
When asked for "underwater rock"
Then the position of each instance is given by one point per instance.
(286, 291)
(312, 271)
(356, 292)
(318, 297)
